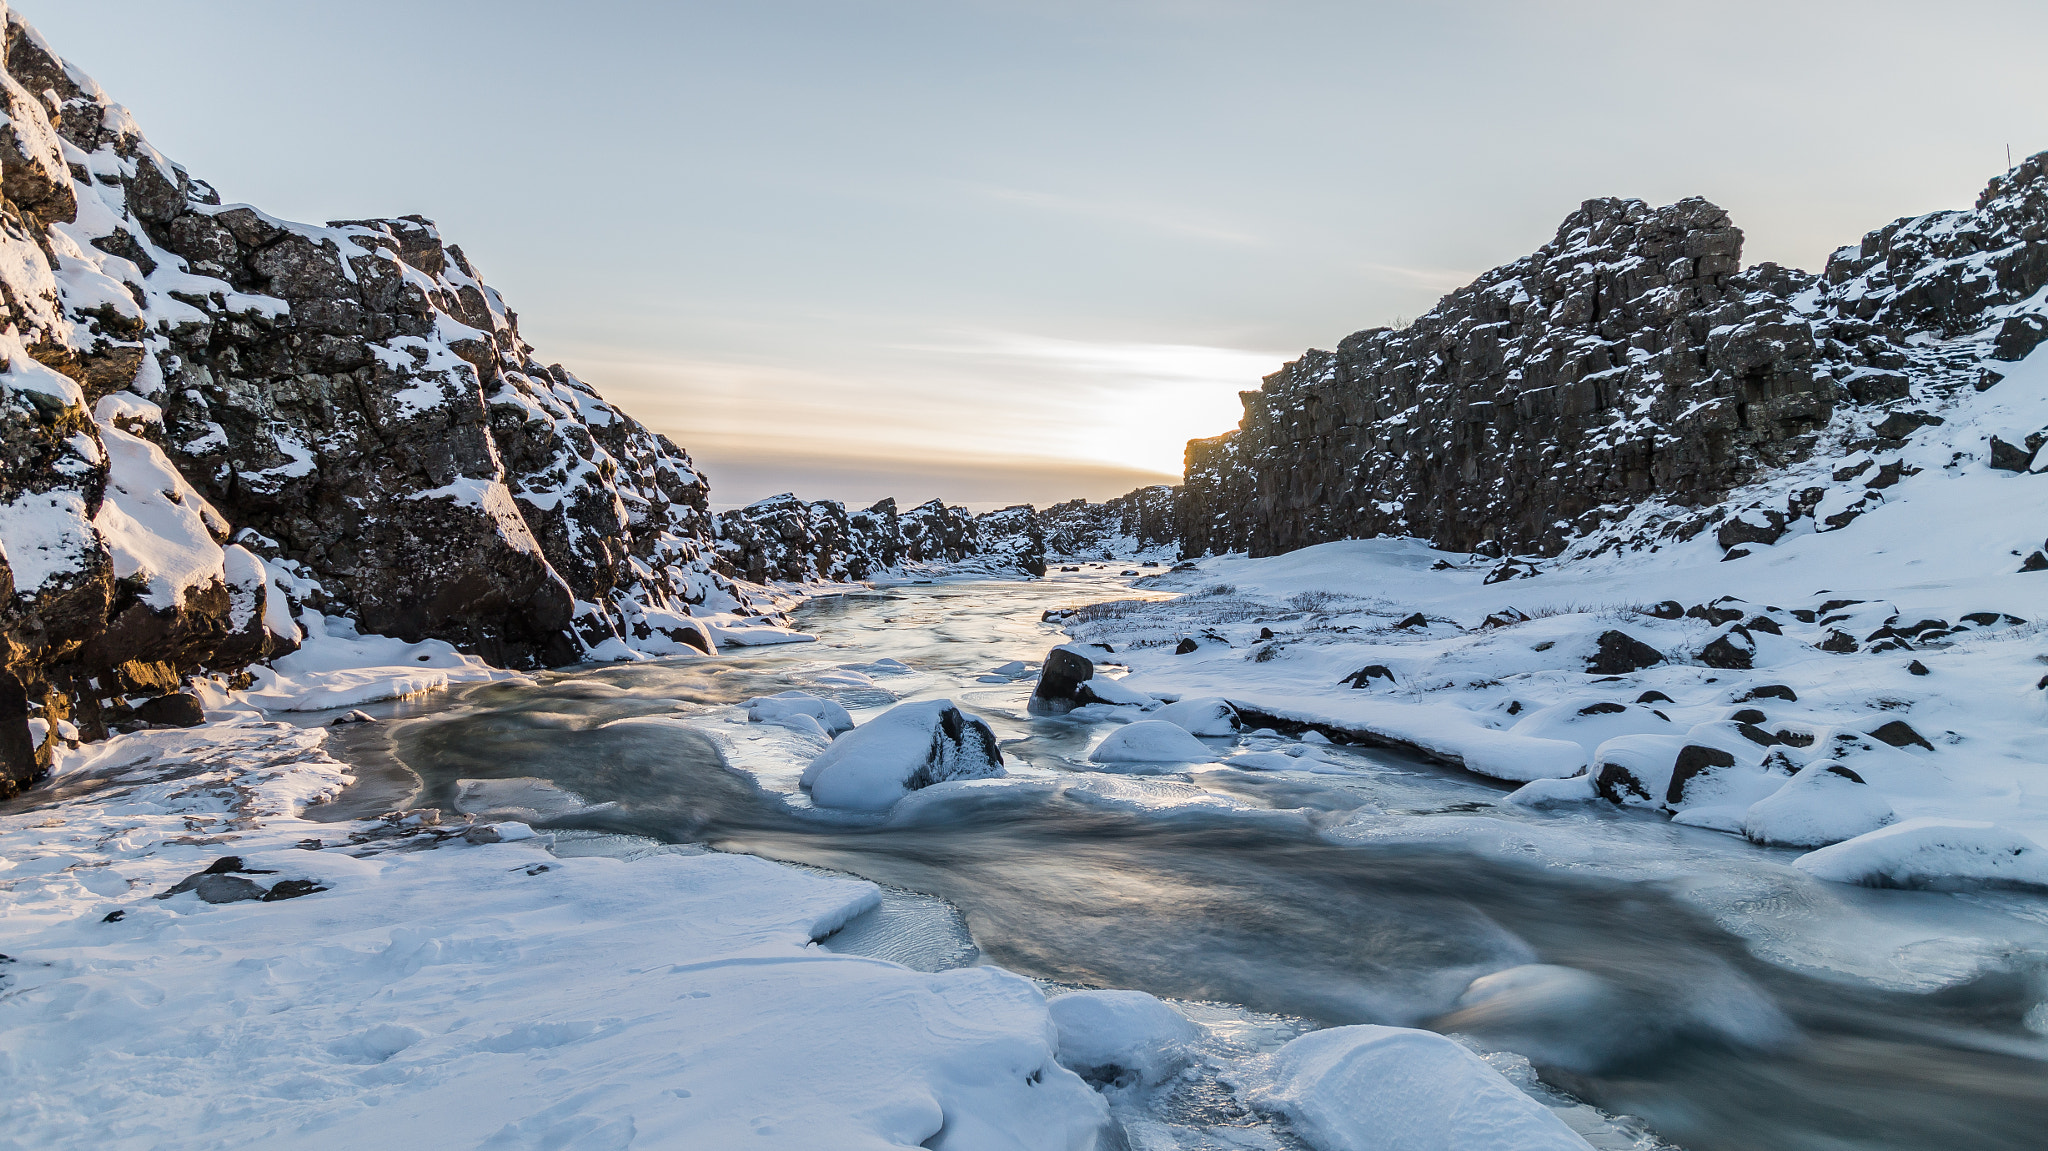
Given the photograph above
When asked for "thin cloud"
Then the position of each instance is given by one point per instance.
(1170, 219)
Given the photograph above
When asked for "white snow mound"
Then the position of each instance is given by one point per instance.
(1152, 741)
(1931, 852)
(1371, 1088)
(1121, 1037)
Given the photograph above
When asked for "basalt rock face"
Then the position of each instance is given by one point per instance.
(1626, 358)
(1630, 360)
(1136, 521)
(211, 417)
(785, 538)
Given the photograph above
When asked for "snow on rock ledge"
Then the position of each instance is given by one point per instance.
(910, 746)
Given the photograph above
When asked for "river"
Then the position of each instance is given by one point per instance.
(1666, 973)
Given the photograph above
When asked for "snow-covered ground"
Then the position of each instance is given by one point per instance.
(451, 986)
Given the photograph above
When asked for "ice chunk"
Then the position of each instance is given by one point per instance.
(1121, 1037)
(1152, 741)
(1372, 1088)
(783, 708)
(912, 745)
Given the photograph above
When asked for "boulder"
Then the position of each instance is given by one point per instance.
(908, 747)
(1825, 803)
(1067, 680)
(1620, 653)
(178, 709)
(1732, 650)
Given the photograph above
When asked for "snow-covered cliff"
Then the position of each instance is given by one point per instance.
(212, 418)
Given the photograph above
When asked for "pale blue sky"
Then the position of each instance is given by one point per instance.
(1019, 251)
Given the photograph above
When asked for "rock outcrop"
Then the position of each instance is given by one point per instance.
(1630, 360)
(212, 417)
(785, 538)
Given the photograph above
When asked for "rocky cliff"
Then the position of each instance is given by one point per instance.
(1630, 360)
(212, 417)
(785, 538)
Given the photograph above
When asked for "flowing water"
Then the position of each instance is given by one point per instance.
(1658, 971)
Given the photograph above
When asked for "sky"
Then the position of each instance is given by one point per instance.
(1003, 252)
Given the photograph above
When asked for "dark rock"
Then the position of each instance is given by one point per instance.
(1693, 761)
(1620, 653)
(2018, 336)
(1416, 620)
(114, 917)
(2035, 562)
(177, 710)
(1987, 379)
(1770, 691)
(289, 889)
(1364, 676)
(1064, 683)
(1872, 386)
(1844, 771)
(1763, 623)
(1794, 738)
(1749, 715)
(1838, 641)
(1603, 708)
(1718, 612)
(1185, 646)
(1899, 733)
(1654, 696)
(1732, 650)
(1751, 526)
(1265, 633)
(216, 888)
(1917, 668)
(1668, 609)
(1755, 734)
(1899, 425)
(2009, 457)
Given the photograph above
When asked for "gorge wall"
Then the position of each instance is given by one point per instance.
(1632, 358)
(213, 419)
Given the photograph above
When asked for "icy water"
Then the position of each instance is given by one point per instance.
(1665, 973)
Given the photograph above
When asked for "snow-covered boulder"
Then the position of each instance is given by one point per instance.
(785, 707)
(1371, 1088)
(1825, 803)
(1067, 680)
(1591, 724)
(1206, 716)
(1932, 853)
(1635, 770)
(910, 746)
(1151, 741)
(1121, 1037)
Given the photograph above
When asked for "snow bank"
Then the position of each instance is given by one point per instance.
(1370, 1088)
(336, 668)
(910, 746)
(1936, 853)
